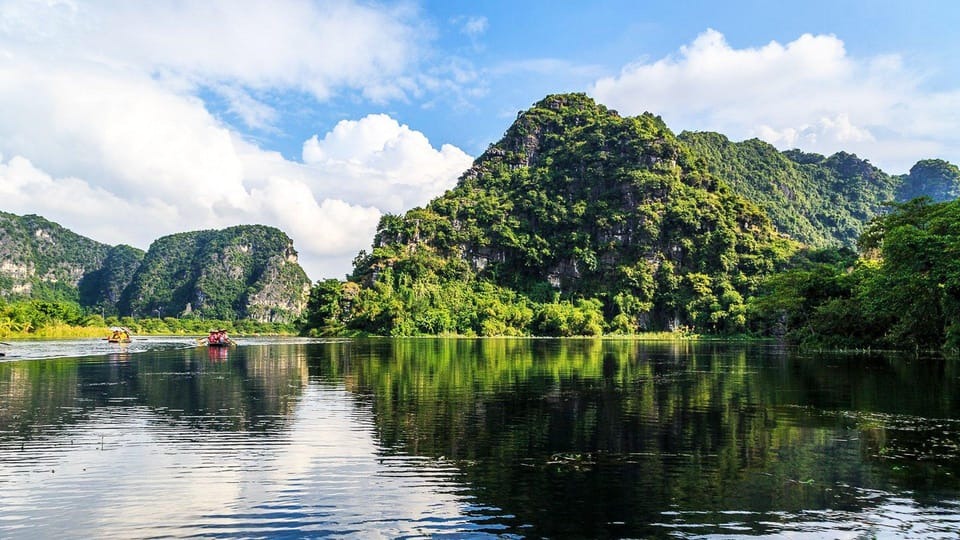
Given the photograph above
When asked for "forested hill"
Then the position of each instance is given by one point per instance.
(614, 214)
(244, 272)
(818, 200)
(581, 221)
(248, 271)
(39, 258)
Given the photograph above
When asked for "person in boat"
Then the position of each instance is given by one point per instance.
(218, 337)
(119, 335)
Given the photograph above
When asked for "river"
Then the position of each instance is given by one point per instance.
(498, 438)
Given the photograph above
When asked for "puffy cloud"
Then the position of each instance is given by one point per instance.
(104, 132)
(149, 162)
(808, 93)
(377, 159)
(315, 47)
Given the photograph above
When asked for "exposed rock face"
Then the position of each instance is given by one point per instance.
(241, 272)
(248, 271)
(41, 258)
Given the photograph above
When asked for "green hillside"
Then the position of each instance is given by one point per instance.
(577, 221)
(244, 272)
(40, 259)
(820, 201)
(248, 271)
(580, 221)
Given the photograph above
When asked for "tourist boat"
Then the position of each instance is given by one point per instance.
(217, 338)
(118, 334)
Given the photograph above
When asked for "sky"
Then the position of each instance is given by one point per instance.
(128, 121)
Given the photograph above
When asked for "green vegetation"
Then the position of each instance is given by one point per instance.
(578, 222)
(582, 222)
(934, 178)
(820, 201)
(237, 273)
(62, 319)
(101, 289)
(42, 260)
(244, 272)
(903, 292)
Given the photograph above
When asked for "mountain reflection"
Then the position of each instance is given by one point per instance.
(252, 389)
(558, 438)
(612, 434)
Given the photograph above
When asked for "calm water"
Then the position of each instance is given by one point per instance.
(474, 438)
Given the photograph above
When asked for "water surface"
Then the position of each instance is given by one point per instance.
(474, 438)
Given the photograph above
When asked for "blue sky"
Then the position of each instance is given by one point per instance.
(128, 121)
(589, 41)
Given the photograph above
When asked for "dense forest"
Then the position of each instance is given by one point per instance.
(243, 272)
(67, 319)
(582, 222)
(579, 221)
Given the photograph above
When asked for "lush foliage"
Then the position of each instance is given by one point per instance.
(240, 272)
(903, 293)
(42, 260)
(820, 201)
(934, 178)
(101, 289)
(578, 222)
(582, 222)
(43, 318)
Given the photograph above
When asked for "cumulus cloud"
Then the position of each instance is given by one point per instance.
(127, 160)
(316, 47)
(398, 166)
(809, 93)
(104, 132)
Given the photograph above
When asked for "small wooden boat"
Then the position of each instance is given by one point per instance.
(217, 338)
(118, 334)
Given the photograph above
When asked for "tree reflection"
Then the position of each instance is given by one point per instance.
(610, 434)
(253, 389)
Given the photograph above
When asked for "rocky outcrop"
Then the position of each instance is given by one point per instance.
(248, 271)
(243, 272)
(41, 258)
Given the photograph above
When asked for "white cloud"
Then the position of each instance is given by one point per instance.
(316, 47)
(809, 93)
(102, 131)
(377, 159)
(254, 113)
(473, 26)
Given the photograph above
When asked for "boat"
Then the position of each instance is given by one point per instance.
(118, 334)
(217, 338)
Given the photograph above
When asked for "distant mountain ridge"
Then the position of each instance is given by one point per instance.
(821, 201)
(248, 271)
